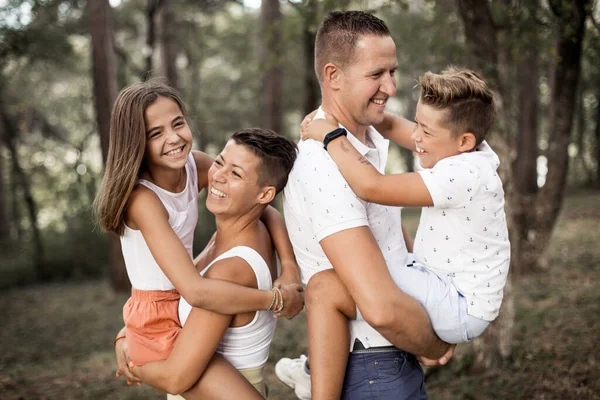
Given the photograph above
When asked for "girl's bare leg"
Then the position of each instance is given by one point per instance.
(328, 307)
(221, 381)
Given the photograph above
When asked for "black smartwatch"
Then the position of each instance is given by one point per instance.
(336, 133)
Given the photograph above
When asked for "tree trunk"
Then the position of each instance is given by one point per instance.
(596, 183)
(151, 8)
(272, 74)
(168, 41)
(105, 92)
(571, 29)
(8, 130)
(580, 131)
(524, 166)
(313, 90)
(4, 221)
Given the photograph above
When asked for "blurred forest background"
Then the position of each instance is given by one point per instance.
(250, 63)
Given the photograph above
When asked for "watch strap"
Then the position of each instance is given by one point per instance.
(336, 133)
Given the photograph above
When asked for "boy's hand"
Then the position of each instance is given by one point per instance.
(316, 129)
(122, 356)
(293, 300)
(443, 360)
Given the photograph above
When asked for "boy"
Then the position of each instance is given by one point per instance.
(461, 248)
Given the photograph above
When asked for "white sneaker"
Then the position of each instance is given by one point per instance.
(292, 373)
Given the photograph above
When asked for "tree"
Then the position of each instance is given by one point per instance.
(271, 68)
(105, 92)
(531, 212)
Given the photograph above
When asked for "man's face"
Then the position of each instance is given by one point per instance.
(369, 81)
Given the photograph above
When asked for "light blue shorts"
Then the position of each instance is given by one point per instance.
(446, 307)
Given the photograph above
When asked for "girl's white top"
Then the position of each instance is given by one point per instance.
(143, 270)
(244, 346)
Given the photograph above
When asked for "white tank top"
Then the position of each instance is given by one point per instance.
(144, 272)
(244, 346)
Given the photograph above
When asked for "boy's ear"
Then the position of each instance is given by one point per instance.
(266, 195)
(467, 142)
(331, 75)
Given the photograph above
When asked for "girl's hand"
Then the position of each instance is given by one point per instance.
(293, 300)
(123, 362)
(290, 274)
(317, 128)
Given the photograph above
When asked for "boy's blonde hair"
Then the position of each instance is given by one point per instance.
(466, 97)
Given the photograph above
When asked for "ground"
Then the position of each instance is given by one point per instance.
(56, 339)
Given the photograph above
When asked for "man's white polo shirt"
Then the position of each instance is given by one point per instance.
(318, 202)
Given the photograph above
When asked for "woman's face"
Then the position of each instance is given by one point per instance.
(233, 181)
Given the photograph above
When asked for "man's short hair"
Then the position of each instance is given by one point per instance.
(338, 34)
(466, 97)
(277, 154)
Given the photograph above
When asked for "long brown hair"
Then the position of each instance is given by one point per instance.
(126, 150)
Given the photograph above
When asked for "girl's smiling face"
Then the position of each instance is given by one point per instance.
(168, 136)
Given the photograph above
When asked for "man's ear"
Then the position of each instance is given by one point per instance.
(266, 195)
(332, 75)
(467, 142)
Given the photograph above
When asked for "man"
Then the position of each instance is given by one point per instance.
(330, 227)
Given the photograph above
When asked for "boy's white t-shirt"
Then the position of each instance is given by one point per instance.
(464, 235)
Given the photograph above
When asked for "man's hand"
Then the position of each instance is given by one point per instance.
(427, 362)
(123, 362)
(293, 300)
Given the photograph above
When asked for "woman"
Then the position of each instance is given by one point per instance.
(252, 168)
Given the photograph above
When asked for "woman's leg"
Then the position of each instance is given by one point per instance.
(328, 307)
(219, 381)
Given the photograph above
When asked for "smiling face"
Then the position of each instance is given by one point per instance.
(433, 140)
(168, 136)
(233, 182)
(367, 83)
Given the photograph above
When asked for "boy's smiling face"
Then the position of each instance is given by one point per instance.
(433, 139)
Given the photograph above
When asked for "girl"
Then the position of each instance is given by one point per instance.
(148, 196)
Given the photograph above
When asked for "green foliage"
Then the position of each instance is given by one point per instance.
(46, 86)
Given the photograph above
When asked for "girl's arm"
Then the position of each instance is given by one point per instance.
(149, 215)
(276, 226)
(395, 190)
(203, 163)
(198, 340)
(397, 130)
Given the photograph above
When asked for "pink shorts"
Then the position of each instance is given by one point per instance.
(152, 324)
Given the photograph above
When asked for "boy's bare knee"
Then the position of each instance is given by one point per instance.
(320, 286)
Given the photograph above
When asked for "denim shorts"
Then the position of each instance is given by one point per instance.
(390, 375)
(446, 307)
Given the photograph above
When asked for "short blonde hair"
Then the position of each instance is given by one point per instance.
(467, 98)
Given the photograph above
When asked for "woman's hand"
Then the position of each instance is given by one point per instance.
(293, 300)
(123, 362)
(316, 129)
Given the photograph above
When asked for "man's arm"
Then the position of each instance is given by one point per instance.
(397, 316)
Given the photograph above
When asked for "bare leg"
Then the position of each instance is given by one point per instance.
(221, 381)
(328, 307)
